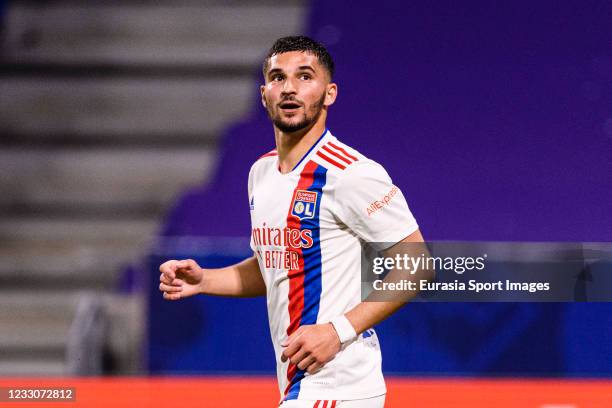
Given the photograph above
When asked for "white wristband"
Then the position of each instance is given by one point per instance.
(344, 328)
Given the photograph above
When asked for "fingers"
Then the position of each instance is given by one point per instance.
(306, 361)
(172, 291)
(303, 360)
(173, 268)
(293, 336)
(310, 347)
(290, 351)
(299, 356)
(172, 296)
(170, 285)
(188, 264)
(163, 278)
(293, 344)
(168, 271)
(314, 367)
(170, 288)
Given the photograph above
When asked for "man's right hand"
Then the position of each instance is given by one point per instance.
(180, 279)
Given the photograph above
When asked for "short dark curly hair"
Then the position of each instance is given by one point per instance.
(303, 44)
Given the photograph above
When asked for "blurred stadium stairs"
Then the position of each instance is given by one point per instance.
(108, 109)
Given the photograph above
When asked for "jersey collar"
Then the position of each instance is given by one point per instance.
(312, 149)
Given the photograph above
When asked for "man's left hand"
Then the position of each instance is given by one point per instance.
(310, 347)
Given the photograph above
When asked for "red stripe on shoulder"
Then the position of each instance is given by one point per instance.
(270, 153)
(336, 154)
(343, 151)
(330, 160)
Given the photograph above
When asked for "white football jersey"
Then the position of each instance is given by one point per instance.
(307, 230)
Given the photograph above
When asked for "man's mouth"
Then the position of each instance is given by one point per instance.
(289, 106)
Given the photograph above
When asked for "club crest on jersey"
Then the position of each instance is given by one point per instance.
(304, 204)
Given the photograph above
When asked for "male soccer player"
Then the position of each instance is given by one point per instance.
(314, 201)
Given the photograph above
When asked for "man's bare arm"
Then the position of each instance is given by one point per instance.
(369, 313)
(310, 347)
(184, 278)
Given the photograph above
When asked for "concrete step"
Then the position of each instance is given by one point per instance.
(36, 325)
(66, 253)
(69, 265)
(12, 367)
(35, 321)
(219, 33)
(101, 180)
(45, 336)
(137, 107)
(29, 230)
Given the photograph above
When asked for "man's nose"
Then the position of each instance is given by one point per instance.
(289, 87)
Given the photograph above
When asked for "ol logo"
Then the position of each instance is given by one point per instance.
(304, 204)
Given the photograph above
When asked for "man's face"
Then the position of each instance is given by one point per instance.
(296, 90)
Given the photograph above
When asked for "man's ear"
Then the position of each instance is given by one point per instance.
(330, 94)
(263, 98)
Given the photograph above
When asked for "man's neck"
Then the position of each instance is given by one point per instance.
(292, 147)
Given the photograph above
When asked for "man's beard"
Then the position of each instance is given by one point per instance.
(306, 121)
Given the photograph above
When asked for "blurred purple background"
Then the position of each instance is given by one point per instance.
(495, 120)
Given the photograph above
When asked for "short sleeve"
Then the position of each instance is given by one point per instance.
(251, 203)
(250, 181)
(369, 204)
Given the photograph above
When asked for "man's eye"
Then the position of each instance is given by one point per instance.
(305, 76)
(277, 78)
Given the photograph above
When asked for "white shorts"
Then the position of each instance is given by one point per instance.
(374, 402)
